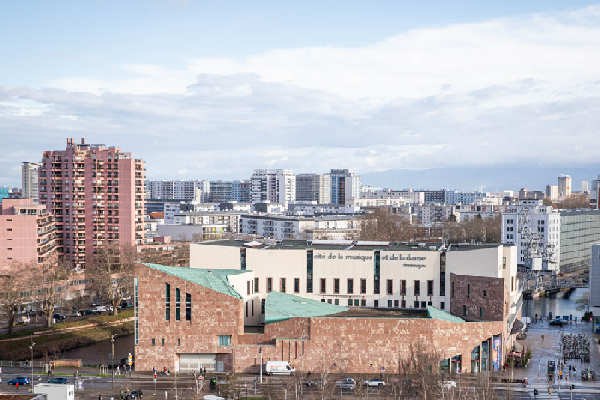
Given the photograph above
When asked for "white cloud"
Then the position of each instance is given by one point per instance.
(523, 89)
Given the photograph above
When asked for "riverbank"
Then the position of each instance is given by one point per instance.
(51, 343)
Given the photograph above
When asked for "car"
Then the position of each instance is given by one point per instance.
(346, 384)
(21, 380)
(375, 382)
(557, 322)
(135, 394)
(59, 379)
(312, 383)
(59, 317)
(449, 385)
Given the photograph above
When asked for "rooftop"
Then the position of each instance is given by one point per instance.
(342, 245)
(214, 279)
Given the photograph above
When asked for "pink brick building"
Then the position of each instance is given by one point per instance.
(27, 233)
(96, 194)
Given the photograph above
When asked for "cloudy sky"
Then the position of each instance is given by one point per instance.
(206, 90)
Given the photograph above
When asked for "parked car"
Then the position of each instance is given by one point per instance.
(375, 382)
(557, 322)
(21, 380)
(59, 317)
(278, 368)
(135, 394)
(449, 385)
(346, 384)
(59, 379)
(87, 312)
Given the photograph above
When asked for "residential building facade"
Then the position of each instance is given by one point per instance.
(29, 180)
(273, 185)
(96, 194)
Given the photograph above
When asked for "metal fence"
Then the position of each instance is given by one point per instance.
(22, 364)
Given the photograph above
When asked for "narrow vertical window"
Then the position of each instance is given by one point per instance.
(363, 286)
(403, 287)
(296, 285)
(269, 285)
(336, 285)
(256, 285)
(429, 288)
(309, 271)
(390, 287)
(282, 285)
(442, 274)
(188, 307)
(376, 272)
(243, 258)
(177, 304)
(350, 286)
(417, 287)
(323, 285)
(167, 301)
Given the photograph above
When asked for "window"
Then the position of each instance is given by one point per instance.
(403, 304)
(452, 290)
(323, 285)
(296, 285)
(468, 290)
(255, 285)
(423, 304)
(349, 302)
(429, 288)
(248, 283)
(417, 287)
(480, 312)
(336, 285)
(363, 302)
(269, 285)
(390, 287)
(246, 310)
(329, 301)
(350, 286)
(416, 304)
(153, 342)
(485, 293)
(177, 304)
(336, 302)
(363, 286)
(309, 271)
(403, 287)
(442, 274)
(224, 340)
(396, 303)
(376, 272)
(442, 305)
(188, 307)
(162, 342)
(282, 285)
(376, 303)
(178, 341)
(464, 310)
(389, 303)
(242, 258)
(262, 306)
(167, 301)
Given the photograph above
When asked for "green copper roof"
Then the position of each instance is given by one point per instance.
(214, 279)
(436, 313)
(280, 306)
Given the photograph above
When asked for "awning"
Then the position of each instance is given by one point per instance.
(517, 327)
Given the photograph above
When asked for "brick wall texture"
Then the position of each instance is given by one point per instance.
(483, 297)
(335, 344)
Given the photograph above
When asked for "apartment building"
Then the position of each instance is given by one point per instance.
(175, 190)
(29, 180)
(27, 233)
(96, 194)
(281, 227)
(345, 186)
(273, 185)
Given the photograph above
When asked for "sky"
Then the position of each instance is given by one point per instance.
(203, 89)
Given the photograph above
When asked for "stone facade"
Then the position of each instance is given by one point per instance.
(483, 298)
(343, 343)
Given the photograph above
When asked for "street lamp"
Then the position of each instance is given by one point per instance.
(31, 348)
(112, 365)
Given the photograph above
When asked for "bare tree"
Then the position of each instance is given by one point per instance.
(51, 286)
(383, 225)
(111, 273)
(16, 291)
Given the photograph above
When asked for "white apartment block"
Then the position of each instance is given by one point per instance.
(564, 186)
(273, 185)
(288, 227)
(29, 181)
(175, 190)
(535, 230)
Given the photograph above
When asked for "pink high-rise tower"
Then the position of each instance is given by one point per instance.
(96, 194)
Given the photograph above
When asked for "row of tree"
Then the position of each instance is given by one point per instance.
(384, 225)
(41, 288)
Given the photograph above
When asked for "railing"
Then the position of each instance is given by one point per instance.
(22, 364)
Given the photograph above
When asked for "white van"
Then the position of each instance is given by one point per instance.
(278, 368)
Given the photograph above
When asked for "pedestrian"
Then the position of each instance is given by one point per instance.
(17, 385)
(542, 338)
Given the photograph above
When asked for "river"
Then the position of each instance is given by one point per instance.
(557, 305)
(100, 353)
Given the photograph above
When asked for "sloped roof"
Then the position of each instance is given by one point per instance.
(281, 306)
(436, 313)
(214, 279)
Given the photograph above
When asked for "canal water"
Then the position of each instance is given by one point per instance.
(557, 305)
(100, 353)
